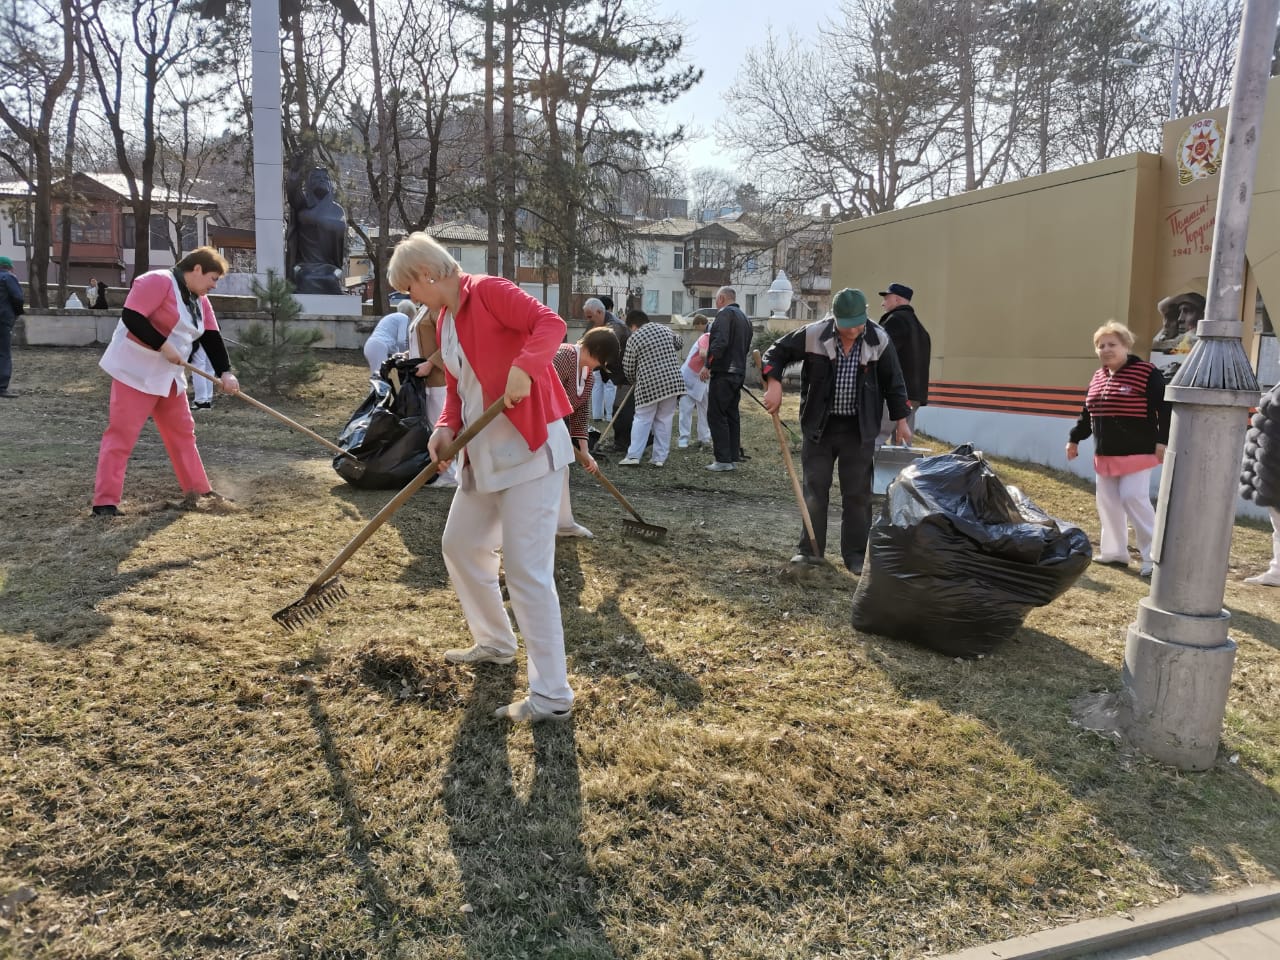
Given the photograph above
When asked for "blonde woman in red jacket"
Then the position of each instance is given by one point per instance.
(498, 342)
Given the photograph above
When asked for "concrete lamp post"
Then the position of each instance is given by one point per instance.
(1178, 657)
(779, 296)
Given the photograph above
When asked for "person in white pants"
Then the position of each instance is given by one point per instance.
(653, 366)
(1271, 576)
(201, 388)
(497, 344)
(1126, 414)
(390, 336)
(695, 393)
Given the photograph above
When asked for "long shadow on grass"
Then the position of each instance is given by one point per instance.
(1260, 628)
(381, 902)
(1023, 694)
(529, 890)
(54, 583)
(606, 640)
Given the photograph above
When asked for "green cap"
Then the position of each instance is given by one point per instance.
(6, 263)
(850, 308)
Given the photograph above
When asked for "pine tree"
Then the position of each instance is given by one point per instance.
(275, 357)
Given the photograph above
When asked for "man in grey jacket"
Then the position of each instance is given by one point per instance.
(850, 372)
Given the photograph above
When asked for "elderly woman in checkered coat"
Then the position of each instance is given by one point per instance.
(652, 364)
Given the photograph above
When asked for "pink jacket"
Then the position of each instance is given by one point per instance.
(501, 326)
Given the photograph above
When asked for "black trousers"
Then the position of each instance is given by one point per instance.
(622, 425)
(841, 443)
(723, 393)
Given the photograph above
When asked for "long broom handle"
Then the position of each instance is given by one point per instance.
(605, 482)
(275, 413)
(413, 486)
(617, 409)
(791, 467)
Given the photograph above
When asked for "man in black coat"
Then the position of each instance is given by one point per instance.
(726, 368)
(911, 341)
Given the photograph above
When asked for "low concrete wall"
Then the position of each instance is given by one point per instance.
(84, 328)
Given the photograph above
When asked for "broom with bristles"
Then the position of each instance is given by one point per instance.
(327, 590)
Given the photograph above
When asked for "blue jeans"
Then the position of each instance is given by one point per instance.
(6, 351)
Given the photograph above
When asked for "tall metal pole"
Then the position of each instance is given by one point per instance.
(1175, 81)
(1178, 657)
(268, 142)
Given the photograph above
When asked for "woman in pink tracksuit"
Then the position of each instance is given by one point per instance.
(166, 314)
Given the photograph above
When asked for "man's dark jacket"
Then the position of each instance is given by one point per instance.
(11, 301)
(729, 342)
(815, 346)
(613, 373)
(914, 347)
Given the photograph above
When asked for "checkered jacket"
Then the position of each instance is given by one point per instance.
(652, 364)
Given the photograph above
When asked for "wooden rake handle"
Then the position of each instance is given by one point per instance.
(605, 482)
(275, 413)
(791, 467)
(450, 451)
(617, 409)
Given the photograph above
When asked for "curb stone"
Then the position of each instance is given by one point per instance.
(1107, 933)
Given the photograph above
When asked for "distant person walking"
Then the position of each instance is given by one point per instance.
(11, 305)
(727, 349)
(695, 388)
(96, 294)
(849, 374)
(390, 336)
(911, 341)
(1126, 414)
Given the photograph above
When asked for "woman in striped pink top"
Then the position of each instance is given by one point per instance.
(576, 364)
(1128, 417)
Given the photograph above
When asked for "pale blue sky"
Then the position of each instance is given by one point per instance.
(717, 33)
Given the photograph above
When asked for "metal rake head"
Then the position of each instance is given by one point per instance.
(643, 531)
(313, 603)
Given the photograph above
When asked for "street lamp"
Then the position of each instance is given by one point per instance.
(779, 295)
(1174, 79)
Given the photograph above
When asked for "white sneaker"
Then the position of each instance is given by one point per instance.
(1270, 578)
(576, 530)
(477, 654)
(523, 711)
(629, 462)
(658, 463)
(683, 444)
(1147, 569)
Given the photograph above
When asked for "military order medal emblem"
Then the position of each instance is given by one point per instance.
(1200, 152)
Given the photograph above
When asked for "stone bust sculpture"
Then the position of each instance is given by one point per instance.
(317, 234)
(1181, 313)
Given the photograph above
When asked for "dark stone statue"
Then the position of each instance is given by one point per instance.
(317, 238)
(1181, 313)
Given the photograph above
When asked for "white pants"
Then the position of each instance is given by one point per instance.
(376, 351)
(1120, 498)
(565, 519)
(602, 395)
(657, 416)
(687, 406)
(202, 388)
(521, 523)
(1271, 576)
(435, 406)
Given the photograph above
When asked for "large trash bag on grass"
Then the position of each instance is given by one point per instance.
(956, 559)
(388, 433)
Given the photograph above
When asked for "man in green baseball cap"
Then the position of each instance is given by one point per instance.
(11, 303)
(850, 372)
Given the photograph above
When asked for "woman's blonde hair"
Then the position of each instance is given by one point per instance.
(416, 255)
(1124, 334)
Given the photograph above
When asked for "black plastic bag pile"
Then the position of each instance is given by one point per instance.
(956, 560)
(388, 433)
(1260, 470)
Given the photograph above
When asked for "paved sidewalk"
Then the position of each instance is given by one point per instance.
(1241, 924)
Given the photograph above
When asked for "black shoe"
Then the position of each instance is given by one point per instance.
(8, 394)
(742, 457)
(106, 510)
(206, 405)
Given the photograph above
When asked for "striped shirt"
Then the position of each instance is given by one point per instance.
(1125, 412)
(1119, 394)
(845, 401)
(568, 364)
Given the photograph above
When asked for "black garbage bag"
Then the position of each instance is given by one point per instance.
(956, 559)
(388, 433)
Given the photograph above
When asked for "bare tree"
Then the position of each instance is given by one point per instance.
(37, 61)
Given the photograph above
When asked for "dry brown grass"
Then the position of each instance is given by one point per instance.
(744, 776)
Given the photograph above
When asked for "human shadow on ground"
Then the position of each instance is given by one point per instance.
(605, 640)
(1259, 628)
(528, 886)
(1029, 708)
(55, 583)
(379, 898)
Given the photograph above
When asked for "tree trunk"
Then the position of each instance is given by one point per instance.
(510, 263)
(490, 148)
